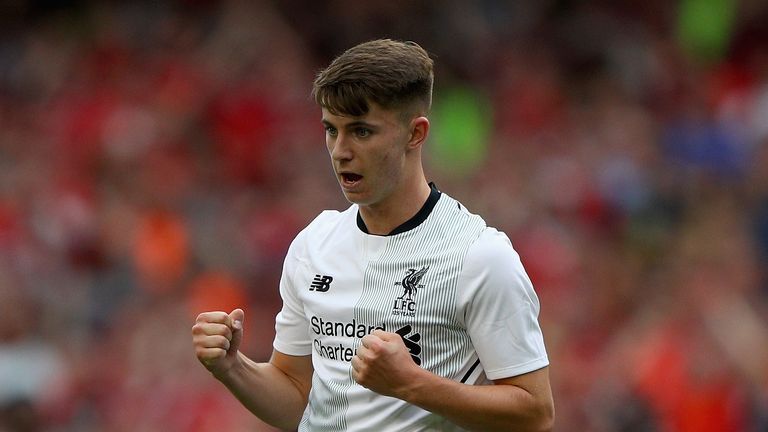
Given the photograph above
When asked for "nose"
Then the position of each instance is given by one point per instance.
(339, 148)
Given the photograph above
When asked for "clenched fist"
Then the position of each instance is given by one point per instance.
(383, 364)
(216, 337)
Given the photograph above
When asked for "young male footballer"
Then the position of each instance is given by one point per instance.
(404, 312)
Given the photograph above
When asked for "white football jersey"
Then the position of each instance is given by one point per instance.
(453, 288)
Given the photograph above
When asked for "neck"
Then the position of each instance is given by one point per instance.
(383, 218)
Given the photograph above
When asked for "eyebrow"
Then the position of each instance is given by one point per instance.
(351, 125)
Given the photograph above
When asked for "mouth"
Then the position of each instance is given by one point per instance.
(349, 179)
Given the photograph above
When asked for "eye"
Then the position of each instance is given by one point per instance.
(362, 132)
(331, 131)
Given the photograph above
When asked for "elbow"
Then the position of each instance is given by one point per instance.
(540, 417)
(547, 425)
(546, 417)
(542, 424)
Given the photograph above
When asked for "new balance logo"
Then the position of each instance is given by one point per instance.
(321, 283)
(411, 342)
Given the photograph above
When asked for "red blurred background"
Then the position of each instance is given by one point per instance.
(157, 158)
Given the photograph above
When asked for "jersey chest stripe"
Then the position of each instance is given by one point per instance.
(328, 415)
(455, 229)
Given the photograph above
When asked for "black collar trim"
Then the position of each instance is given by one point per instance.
(416, 220)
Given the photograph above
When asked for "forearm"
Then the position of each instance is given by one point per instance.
(482, 407)
(266, 391)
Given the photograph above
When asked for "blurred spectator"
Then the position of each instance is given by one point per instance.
(33, 372)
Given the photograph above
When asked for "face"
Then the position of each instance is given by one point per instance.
(368, 154)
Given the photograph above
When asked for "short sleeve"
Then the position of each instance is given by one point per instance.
(291, 325)
(501, 308)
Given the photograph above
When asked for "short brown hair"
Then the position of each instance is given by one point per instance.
(391, 74)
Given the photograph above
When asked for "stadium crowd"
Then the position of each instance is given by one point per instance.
(156, 159)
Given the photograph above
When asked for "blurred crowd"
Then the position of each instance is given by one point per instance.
(157, 158)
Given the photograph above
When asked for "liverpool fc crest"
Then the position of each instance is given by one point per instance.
(405, 304)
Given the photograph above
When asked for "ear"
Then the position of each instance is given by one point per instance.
(419, 128)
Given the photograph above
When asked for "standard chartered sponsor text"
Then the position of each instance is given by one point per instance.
(349, 329)
(352, 328)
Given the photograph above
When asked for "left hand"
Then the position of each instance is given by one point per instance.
(383, 364)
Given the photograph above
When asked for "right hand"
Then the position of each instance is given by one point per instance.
(216, 337)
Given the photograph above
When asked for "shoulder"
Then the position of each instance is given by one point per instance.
(493, 278)
(452, 213)
(491, 247)
(328, 220)
(322, 228)
(492, 258)
(493, 270)
(489, 252)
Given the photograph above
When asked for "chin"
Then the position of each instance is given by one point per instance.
(357, 198)
(354, 199)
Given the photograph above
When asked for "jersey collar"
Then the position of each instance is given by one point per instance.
(413, 222)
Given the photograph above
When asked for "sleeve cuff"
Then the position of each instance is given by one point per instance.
(516, 370)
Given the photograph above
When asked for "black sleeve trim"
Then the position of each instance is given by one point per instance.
(469, 372)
